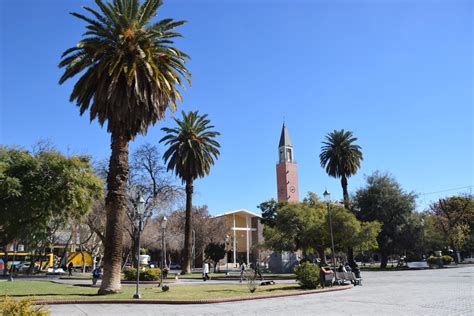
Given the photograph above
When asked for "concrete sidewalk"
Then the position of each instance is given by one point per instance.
(419, 292)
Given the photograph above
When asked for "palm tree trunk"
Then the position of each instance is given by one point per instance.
(115, 206)
(187, 228)
(345, 193)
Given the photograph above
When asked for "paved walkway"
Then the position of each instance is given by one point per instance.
(424, 292)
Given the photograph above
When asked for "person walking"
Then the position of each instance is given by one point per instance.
(205, 272)
(257, 270)
(96, 275)
(69, 268)
(242, 270)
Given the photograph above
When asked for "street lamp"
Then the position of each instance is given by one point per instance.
(163, 249)
(327, 197)
(422, 222)
(140, 208)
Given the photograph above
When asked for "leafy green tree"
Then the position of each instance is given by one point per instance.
(42, 193)
(341, 158)
(453, 216)
(384, 200)
(191, 153)
(305, 226)
(130, 75)
(268, 209)
(215, 252)
(411, 237)
(433, 237)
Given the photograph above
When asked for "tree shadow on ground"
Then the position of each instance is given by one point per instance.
(47, 295)
(225, 290)
(292, 288)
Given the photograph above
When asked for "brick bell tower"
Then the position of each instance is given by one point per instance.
(287, 170)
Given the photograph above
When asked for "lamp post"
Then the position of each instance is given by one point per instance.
(422, 222)
(327, 197)
(163, 250)
(140, 208)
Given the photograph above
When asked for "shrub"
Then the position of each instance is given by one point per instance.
(130, 274)
(447, 260)
(249, 276)
(165, 288)
(432, 260)
(307, 275)
(22, 307)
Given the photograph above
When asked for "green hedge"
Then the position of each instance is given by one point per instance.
(307, 274)
(447, 260)
(435, 260)
(432, 260)
(130, 274)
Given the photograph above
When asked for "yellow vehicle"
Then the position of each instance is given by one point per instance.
(21, 261)
(78, 259)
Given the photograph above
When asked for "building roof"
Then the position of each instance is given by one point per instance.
(239, 211)
(285, 137)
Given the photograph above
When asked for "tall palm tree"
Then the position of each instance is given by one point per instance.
(341, 158)
(191, 153)
(130, 74)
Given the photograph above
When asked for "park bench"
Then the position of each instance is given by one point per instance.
(342, 277)
(328, 278)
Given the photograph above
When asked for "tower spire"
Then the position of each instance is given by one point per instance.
(285, 137)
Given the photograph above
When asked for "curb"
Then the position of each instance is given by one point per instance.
(187, 302)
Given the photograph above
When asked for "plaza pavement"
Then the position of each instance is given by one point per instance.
(421, 292)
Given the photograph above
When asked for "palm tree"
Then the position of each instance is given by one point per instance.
(341, 158)
(130, 74)
(191, 153)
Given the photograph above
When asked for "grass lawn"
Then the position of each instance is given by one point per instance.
(49, 290)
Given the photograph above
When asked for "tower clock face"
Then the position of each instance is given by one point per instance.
(292, 189)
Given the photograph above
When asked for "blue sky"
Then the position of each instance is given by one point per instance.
(399, 74)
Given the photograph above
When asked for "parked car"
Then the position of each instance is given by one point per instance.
(175, 266)
(153, 264)
(468, 259)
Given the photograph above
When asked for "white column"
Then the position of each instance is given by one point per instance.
(235, 242)
(247, 239)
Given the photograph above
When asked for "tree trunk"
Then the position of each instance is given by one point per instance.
(322, 255)
(455, 249)
(187, 255)
(115, 206)
(384, 260)
(83, 259)
(345, 193)
(350, 257)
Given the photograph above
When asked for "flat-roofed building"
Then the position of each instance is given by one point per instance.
(245, 233)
